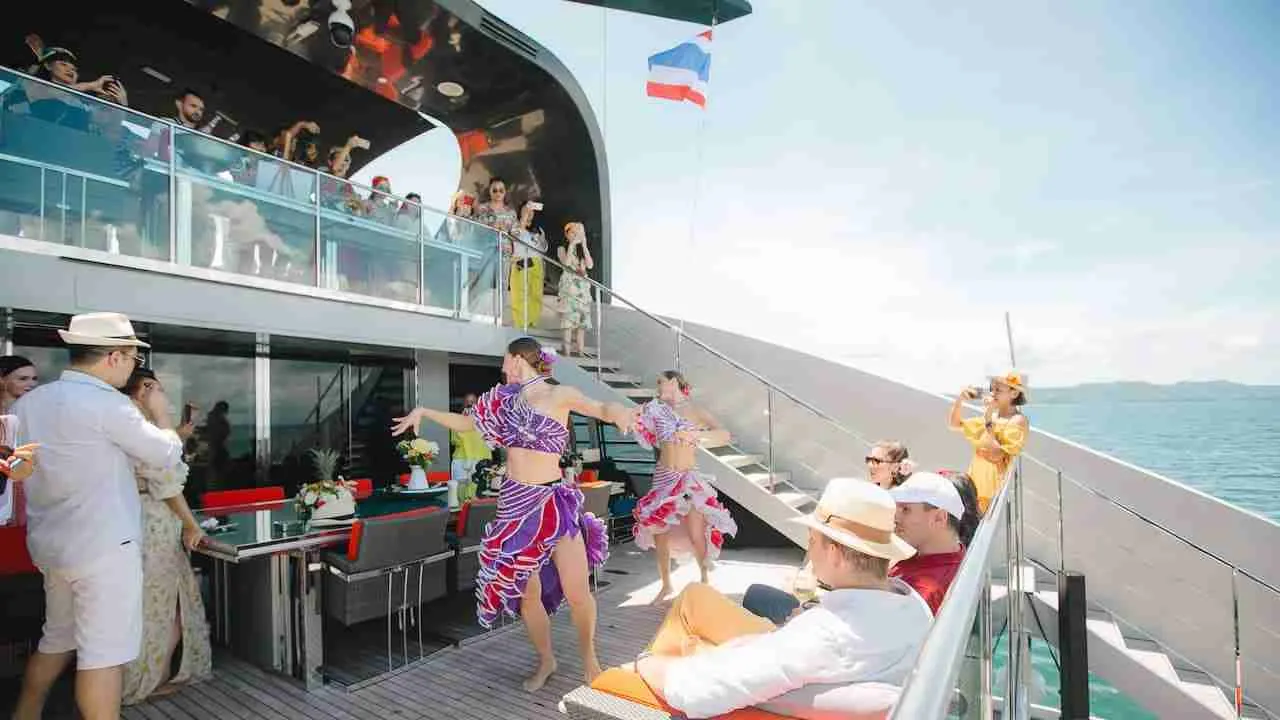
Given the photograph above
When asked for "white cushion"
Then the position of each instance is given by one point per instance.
(853, 701)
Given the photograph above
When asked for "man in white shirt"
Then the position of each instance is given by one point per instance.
(711, 656)
(84, 516)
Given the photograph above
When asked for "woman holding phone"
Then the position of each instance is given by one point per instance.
(527, 268)
(574, 288)
(172, 610)
(997, 435)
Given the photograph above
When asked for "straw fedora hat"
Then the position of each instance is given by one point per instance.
(101, 329)
(859, 515)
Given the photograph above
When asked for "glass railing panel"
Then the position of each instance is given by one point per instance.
(1105, 540)
(364, 250)
(76, 170)
(1259, 611)
(482, 294)
(443, 269)
(738, 400)
(243, 212)
(808, 449)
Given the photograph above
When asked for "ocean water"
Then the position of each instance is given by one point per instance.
(1229, 449)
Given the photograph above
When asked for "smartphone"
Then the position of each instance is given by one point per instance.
(188, 411)
(537, 206)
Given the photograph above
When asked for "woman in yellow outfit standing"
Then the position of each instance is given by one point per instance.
(527, 269)
(997, 435)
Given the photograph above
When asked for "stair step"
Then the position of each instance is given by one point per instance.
(614, 378)
(739, 460)
(762, 478)
(796, 500)
(638, 393)
(593, 363)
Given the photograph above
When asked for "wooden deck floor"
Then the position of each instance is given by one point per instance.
(479, 680)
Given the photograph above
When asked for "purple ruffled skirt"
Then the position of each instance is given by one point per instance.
(531, 520)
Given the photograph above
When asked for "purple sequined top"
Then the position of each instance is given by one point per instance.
(659, 422)
(505, 419)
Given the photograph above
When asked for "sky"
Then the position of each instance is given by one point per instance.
(878, 183)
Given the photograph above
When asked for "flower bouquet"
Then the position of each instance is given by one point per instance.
(419, 453)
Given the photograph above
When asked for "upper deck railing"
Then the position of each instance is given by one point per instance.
(82, 172)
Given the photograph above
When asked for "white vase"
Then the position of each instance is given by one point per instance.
(417, 478)
(453, 493)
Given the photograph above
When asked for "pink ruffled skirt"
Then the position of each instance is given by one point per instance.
(675, 494)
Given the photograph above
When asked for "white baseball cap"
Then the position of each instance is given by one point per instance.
(930, 488)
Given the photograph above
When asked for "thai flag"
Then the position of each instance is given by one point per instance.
(682, 72)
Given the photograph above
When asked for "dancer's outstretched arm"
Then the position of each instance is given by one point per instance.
(623, 417)
(454, 421)
(713, 432)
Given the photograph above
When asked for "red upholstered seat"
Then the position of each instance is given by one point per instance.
(247, 496)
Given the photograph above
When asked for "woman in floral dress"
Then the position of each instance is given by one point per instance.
(172, 611)
(574, 288)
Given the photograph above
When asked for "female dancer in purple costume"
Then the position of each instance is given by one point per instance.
(680, 512)
(541, 548)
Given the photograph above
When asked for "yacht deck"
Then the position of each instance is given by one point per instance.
(479, 679)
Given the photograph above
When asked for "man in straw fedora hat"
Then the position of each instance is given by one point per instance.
(84, 515)
(710, 656)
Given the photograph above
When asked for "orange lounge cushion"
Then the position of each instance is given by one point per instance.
(628, 685)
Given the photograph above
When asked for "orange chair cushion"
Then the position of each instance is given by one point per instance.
(364, 488)
(437, 477)
(628, 685)
(589, 476)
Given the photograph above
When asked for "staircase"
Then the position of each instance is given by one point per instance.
(741, 473)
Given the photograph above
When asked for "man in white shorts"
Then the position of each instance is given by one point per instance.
(83, 513)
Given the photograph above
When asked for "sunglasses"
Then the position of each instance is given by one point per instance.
(872, 460)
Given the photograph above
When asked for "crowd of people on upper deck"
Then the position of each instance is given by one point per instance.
(301, 142)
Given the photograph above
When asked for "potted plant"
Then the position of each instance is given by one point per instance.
(419, 453)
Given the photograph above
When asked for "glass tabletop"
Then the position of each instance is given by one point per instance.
(246, 531)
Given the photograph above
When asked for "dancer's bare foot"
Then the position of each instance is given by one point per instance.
(539, 677)
(590, 670)
(663, 595)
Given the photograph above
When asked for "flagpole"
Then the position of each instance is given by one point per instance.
(699, 137)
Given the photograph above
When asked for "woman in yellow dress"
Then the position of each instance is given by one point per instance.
(997, 435)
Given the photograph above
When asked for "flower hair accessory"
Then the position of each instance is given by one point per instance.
(547, 357)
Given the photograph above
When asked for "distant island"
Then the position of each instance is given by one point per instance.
(1150, 392)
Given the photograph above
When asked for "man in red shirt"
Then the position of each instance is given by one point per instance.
(930, 512)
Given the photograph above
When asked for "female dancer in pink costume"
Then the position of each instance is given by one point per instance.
(540, 549)
(680, 513)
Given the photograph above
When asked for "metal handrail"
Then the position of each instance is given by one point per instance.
(601, 288)
(928, 689)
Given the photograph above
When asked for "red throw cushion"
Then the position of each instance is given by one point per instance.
(364, 488)
(247, 496)
(437, 477)
(628, 685)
